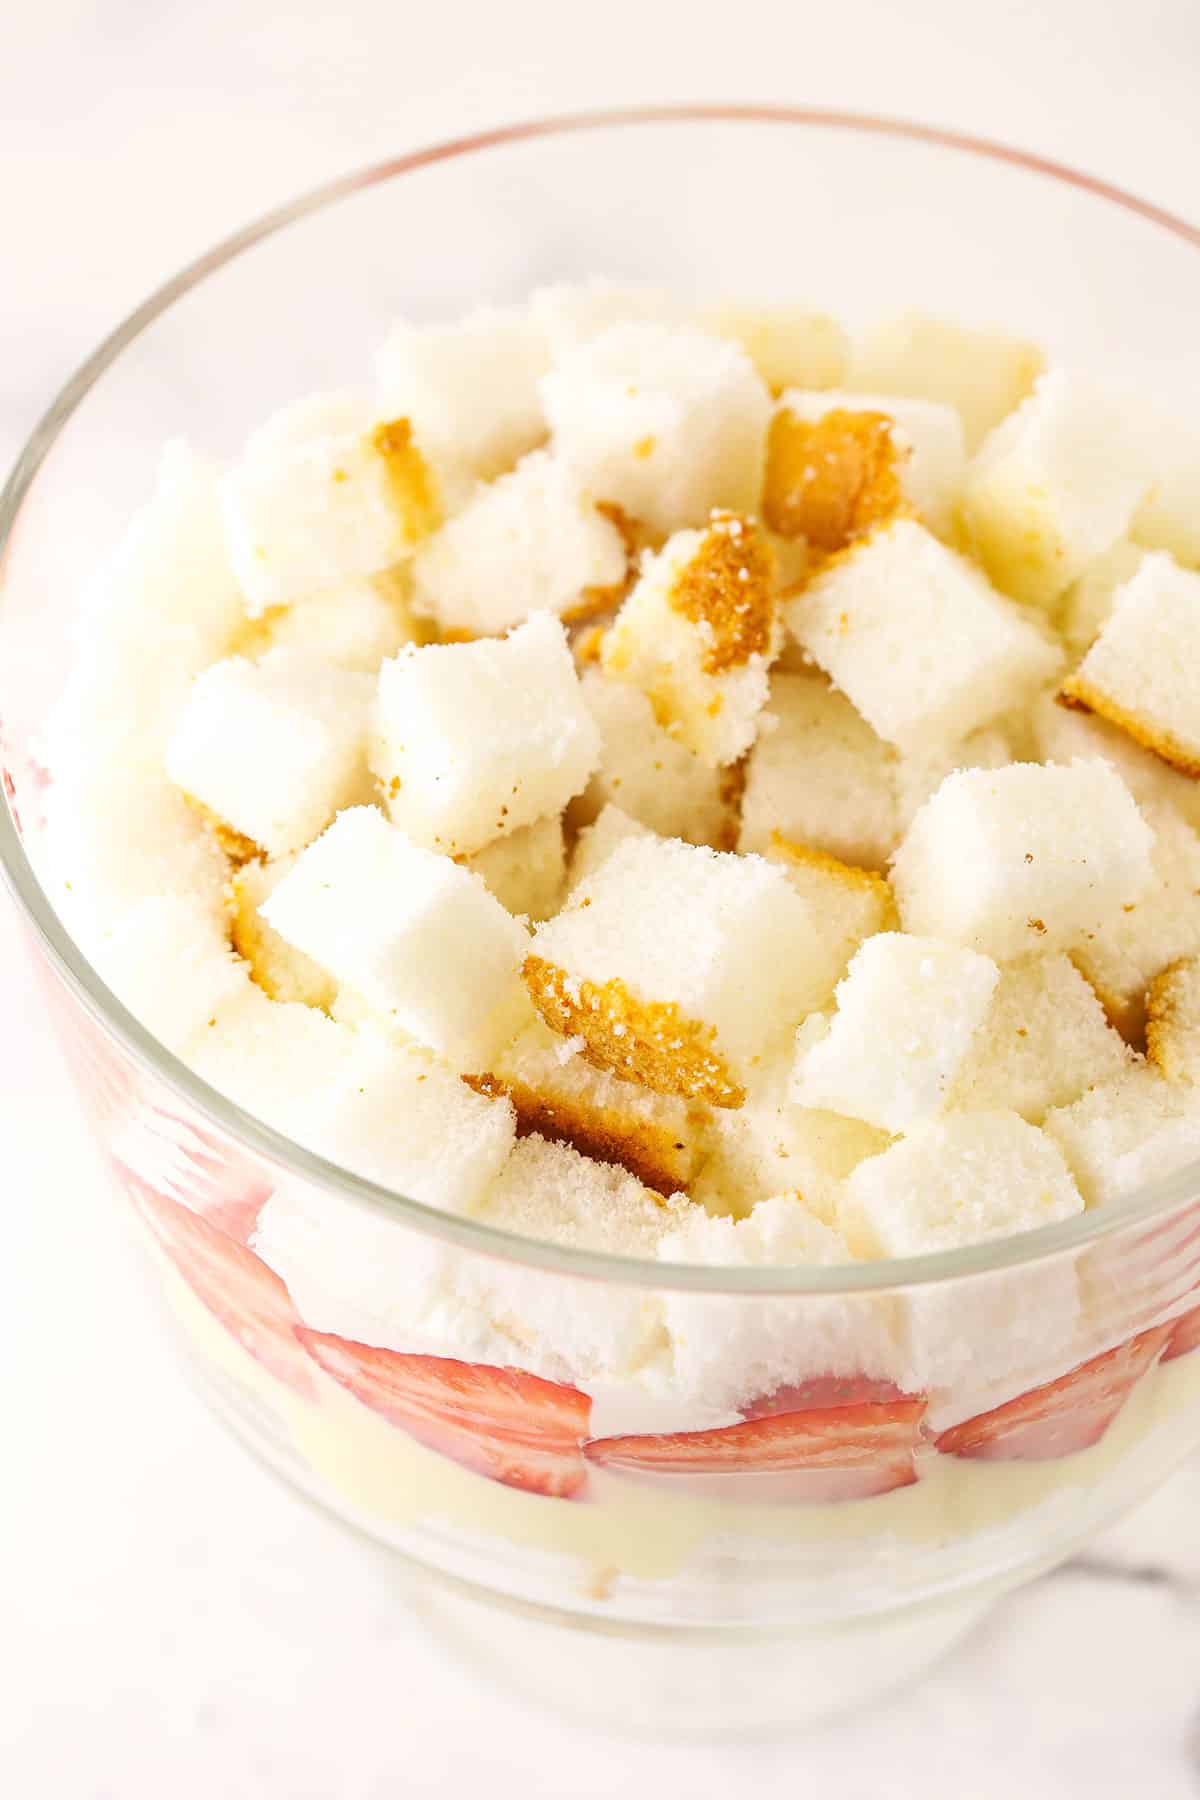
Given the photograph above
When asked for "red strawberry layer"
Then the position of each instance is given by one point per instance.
(236, 1286)
(511, 1426)
(1064, 1416)
(821, 1451)
(1185, 1336)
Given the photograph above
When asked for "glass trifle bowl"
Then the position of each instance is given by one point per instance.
(710, 1554)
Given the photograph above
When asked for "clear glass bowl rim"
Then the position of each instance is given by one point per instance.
(469, 1234)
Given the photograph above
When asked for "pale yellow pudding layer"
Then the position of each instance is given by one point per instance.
(626, 1528)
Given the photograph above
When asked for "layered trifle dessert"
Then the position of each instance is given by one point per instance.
(715, 798)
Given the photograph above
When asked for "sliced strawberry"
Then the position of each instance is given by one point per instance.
(1066, 1415)
(503, 1423)
(822, 1451)
(236, 1286)
(1185, 1336)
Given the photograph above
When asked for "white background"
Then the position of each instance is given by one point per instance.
(170, 1623)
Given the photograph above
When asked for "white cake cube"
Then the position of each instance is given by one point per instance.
(1123, 957)
(727, 1354)
(1169, 516)
(790, 346)
(678, 966)
(772, 1146)
(1027, 858)
(170, 962)
(281, 971)
(473, 741)
(528, 542)
(907, 1012)
(320, 495)
(848, 904)
(1053, 487)
(354, 625)
(469, 390)
(698, 634)
(571, 313)
(1087, 604)
(271, 1059)
(1139, 674)
(275, 748)
(597, 841)
(1173, 1021)
(916, 638)
(557, 1092)
(578, 1330)
(839, 463)
(648, 773)
(418, 936)
(819, 776)
(526, 869)
(666, 424)
(1135, 1129)
(398, 1117)
(1061, 733)
(963, 1179)
(164, 605)
(920, 773)
(982, 374)
(1043, 1041)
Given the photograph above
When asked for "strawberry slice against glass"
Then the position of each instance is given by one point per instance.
(1064, 1416)
(1185, 1336)
(829, 1439)
(236, 1286)
(511, 1426)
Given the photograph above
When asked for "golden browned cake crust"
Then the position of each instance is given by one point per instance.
(410, 478)
(731, 791)
(254, 940)
(830, 480)
(867, 879)
(657, 1157)
(1165, 998)
(728, 588)
(1084, 697)
(647, 1041)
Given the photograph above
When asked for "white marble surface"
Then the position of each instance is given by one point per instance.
(174, 1624)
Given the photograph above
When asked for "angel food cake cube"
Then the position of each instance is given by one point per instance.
(1138, 673)
(1087, 604)
(1043, 1041)
(577, 1331)
(790, 346)
(355, 624)
(982, 374)
(646, 772)
(727, 1354)
(282, 972)
(698, 634)
(1061, 733)
(1028, 858)
(819, 776)
(418, 936)
(666, 424)
(473, 741)
(321, 495)
(678, 966)
(963, 1179)
(1137, 943)
(907, 1012)
(597, 841)
(839, 464)
(1054, 487)
(526, 869)
(849, 904)
(916, 638)
(1134, 1129)
(469, 389)
(556, 1091)
(179, 933)
(530, 542)
(1173, 1021)
(274, 748)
